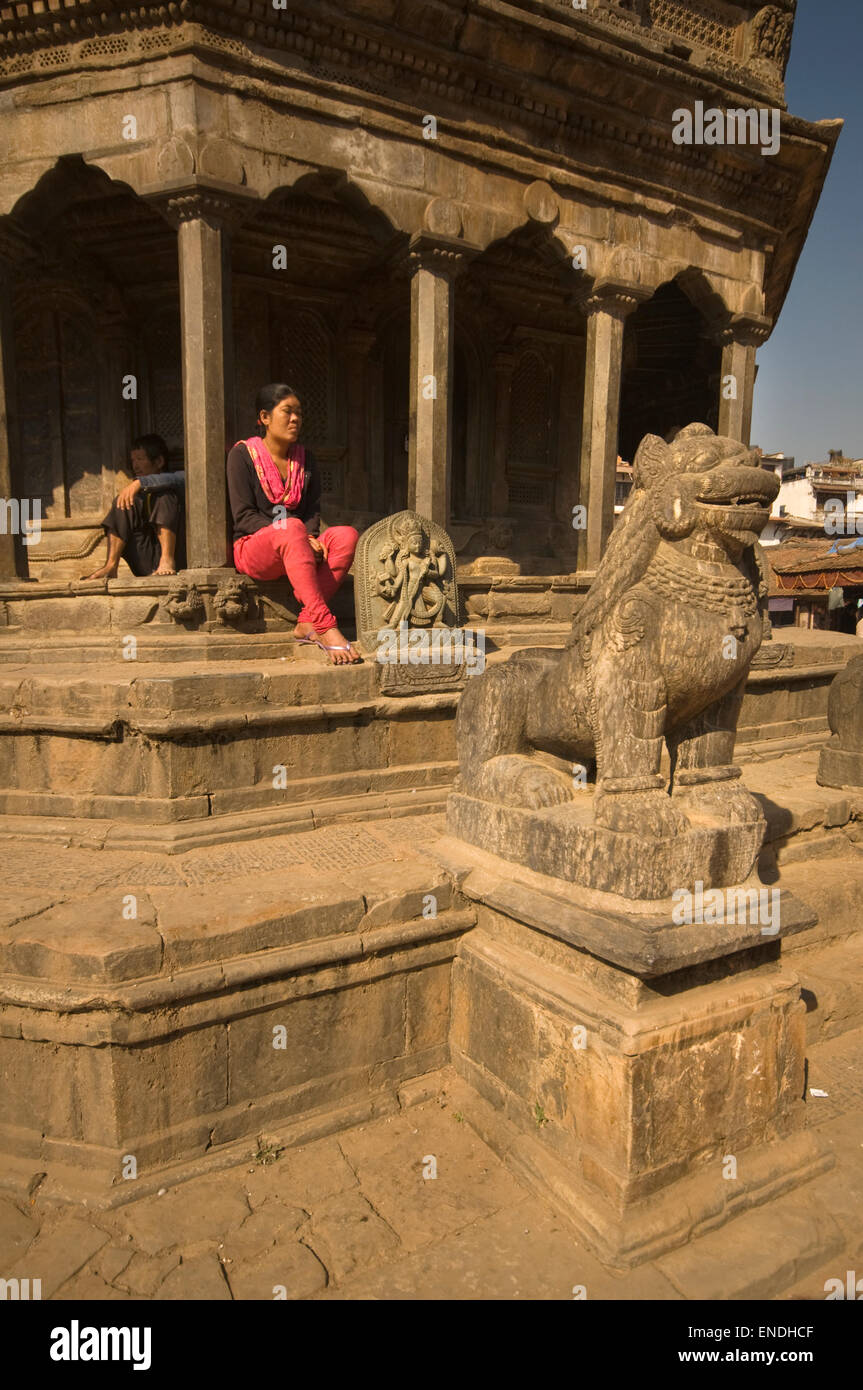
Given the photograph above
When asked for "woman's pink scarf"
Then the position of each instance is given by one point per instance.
(286, 491)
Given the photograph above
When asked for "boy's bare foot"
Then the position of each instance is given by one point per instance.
(104, 572)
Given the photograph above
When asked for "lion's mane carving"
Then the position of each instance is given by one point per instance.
(660, 650)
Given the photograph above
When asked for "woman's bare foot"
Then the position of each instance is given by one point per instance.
(331, 641)
(104, 572)
(164, 568)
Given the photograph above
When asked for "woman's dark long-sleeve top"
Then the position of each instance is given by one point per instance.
(252, 510)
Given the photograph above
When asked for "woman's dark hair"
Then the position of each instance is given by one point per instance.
(269, 396)
(153, 445)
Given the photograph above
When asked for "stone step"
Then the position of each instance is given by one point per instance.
(760, 1254)
(832, 979)
(160, 749)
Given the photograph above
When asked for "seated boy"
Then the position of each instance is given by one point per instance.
(146, 523)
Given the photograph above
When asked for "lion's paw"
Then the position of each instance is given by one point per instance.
(648, 813)
(514, 779)
(728, 801)
(540, 786)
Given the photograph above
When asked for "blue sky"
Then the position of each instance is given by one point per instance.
(809, 391)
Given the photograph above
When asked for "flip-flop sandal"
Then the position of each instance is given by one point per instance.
(349, 648)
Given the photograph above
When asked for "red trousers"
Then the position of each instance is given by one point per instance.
(283, 548)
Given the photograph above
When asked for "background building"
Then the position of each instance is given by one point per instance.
(814, 542)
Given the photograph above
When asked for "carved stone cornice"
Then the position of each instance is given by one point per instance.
(402, 66)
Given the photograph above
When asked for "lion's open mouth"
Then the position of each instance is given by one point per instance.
(743, 515)
(746, 499)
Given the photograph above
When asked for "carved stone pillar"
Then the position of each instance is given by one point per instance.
(12, 251)
(606, 308)
(740, 338)
(504, 367)
(204, 224)
(358, 345)
(435, 259)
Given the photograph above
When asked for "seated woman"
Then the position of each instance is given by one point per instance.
(146, 530)
(275, 492)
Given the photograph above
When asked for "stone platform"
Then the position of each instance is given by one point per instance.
(180, 746)
(163, 1007)
(156, 756)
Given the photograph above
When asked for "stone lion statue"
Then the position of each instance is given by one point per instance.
(660, 650)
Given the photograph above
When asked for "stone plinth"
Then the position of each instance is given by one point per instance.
(841, 762)
(648, 1103)
(565, 842)
(649, 938)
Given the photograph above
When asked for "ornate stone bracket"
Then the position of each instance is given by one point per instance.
(224, 211)
(750, 330)
(614, 297)
(440, 252)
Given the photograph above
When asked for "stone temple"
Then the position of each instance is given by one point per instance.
(247, 900)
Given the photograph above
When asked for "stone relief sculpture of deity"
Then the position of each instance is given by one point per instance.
(414, 568)
(772, 31)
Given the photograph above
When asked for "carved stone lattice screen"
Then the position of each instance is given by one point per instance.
(699, 23)
(58, 365)
(166, 382)
(530, 430)
(306, 363)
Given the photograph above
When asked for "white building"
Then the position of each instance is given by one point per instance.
(813, 497)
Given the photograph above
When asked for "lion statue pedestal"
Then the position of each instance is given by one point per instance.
(618, 1051)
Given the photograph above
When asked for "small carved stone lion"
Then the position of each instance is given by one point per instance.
(660, 650)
